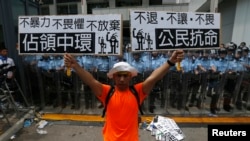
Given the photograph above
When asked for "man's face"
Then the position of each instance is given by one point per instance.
(4, 52)
(154, 54)
(122, 79)
(223, 55)
(136, 56)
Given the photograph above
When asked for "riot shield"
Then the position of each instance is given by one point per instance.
(186, 79)
(203, 91)
(175, 89)
(237, 88)
(222, 82)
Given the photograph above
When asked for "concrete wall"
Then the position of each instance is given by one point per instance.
(125, 10)
(227, 10)
(241, 30)
(195, 4)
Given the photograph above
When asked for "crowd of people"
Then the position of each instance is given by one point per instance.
(214, 73)
(178, 78)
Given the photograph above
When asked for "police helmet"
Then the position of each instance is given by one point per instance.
(207, 51)
(242, 44)
(238, 51)
(231, 46)
(197, 51)
(245, 49)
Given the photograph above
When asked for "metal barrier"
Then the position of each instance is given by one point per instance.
(13, 102)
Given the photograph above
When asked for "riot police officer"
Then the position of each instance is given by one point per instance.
(217, 78)
(45, 65)
(139, 64)
(233, 78)
(86, 61)
(155, 63)
(243, 92)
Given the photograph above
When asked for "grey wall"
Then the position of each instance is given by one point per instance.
(241, 31)
(227, 10)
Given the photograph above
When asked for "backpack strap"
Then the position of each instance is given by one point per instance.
(135, 93)
(110, 93)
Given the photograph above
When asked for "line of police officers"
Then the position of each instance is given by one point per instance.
(217, 73)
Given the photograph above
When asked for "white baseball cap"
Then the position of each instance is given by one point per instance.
(122, 66)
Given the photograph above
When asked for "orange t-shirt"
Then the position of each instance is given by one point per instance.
(121, 123)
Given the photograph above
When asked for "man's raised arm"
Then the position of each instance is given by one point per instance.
(159, 73)
(84, 75)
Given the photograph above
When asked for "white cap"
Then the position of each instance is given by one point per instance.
(122, 66)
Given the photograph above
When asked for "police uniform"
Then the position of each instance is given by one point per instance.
(231, 47)
(155, 93)
(235, 72)
(102, 68)
(195, 80)
(45, 65)
(216, 79)
(187, 70)
(33, 77)
(87, 63)
(243, 93)
(138, 63)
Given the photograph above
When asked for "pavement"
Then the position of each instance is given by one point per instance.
(74, 127)
(65, 131)
(66, 124)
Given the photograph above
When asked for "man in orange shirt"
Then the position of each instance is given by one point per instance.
(121, 123)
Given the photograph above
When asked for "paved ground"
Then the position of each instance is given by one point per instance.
(62, 131)
(83, 131)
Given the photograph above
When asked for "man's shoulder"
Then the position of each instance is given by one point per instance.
(106, 86)
(138, 87)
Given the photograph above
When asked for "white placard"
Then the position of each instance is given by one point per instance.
(82, 34)
(163, 30)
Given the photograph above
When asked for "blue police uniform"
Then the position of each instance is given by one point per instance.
(87, 63)
(243, 92)
(146, 57)
(138, 63)
(202, 67)
(45, 65)
(187, 64)
(215, 80)
(235, 70)
(102, 68)
(156, 61)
